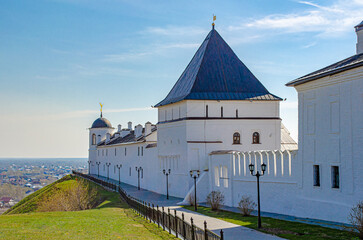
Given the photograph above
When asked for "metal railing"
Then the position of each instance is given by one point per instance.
(166, 219)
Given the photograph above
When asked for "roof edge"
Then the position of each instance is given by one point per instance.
(306, 79)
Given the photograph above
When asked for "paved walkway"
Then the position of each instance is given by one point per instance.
(231, 231)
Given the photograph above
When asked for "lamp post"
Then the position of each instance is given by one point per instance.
(252, 169)
(89, 167)
(98, 168)
(166, 173)
(108, 170)
(119, 166)
(138, 169)
(195, 174)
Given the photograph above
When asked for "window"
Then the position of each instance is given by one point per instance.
(216, 176)
(335, 177)
(224, 176)
(104, 167)
(125, 151)
(236, 113)
(103, 151)
(114, 168)
(221, 112)
(138, 151)
(93, 139)
(316, 169)
(255, 138)
(236, 138)
(98, 152)
(206, 111)
(142, 151)
(130, 171)
(106, 152)
(115, 151)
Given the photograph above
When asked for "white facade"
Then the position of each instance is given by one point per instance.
(220, 138)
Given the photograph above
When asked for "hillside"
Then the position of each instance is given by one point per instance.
(110, 219)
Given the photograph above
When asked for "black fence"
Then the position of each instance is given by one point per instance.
(164, 218)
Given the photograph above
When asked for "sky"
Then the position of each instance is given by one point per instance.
(60, 58)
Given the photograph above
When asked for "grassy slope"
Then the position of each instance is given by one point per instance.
(30, 203)
(112, 219)
(284, 229)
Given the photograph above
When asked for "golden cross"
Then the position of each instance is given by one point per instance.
(101, 106)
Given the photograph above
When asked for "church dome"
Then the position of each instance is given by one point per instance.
(101, 123)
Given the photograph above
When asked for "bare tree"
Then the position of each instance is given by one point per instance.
(80, 196)
(215, 199)
(356, 218)
(246, 205)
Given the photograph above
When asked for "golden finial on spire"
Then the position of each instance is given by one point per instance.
(214, 18)
(101, 108)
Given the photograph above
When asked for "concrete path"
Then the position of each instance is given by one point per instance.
(231, 231)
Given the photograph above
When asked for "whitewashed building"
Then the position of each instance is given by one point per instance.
(218, 118)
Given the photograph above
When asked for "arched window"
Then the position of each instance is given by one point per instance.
(206, 111)
(236, 138)
(221, 112)
(236, 113)
(256, 138)
(93, 139)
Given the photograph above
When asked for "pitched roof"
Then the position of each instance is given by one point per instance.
(346, 64)
(216, 73)
(129, 138)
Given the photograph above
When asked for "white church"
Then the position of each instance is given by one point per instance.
(219, 118)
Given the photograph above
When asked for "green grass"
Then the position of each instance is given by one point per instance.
(281, 228)
(112, 219)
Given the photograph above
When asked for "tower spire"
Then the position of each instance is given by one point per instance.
(101, 108)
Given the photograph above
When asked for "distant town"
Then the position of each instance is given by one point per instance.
(21, 177)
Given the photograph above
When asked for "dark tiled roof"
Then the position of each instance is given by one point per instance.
(346, 64)
(127, 139)
(151, 145)
(216, 73)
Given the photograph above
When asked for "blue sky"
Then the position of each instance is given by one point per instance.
(60, 58)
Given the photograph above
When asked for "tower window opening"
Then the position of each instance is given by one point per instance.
(236, 138)
(221, 112)
(335, 177)
(93, 139)
(255, 138)
(316, 169)
(206, 111)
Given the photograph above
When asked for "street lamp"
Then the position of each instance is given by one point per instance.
(252, 169)
(195, 174)
(108, 170)
(138, 169)
(166, 173)
(89, 167)
(119, 166)
(98, 168)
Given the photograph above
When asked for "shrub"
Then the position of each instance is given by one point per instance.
(215, 199)
(79, 196)
(356, 218)
(246, 205)
(191, 199)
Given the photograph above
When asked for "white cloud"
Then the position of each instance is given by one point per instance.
(330, 20)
